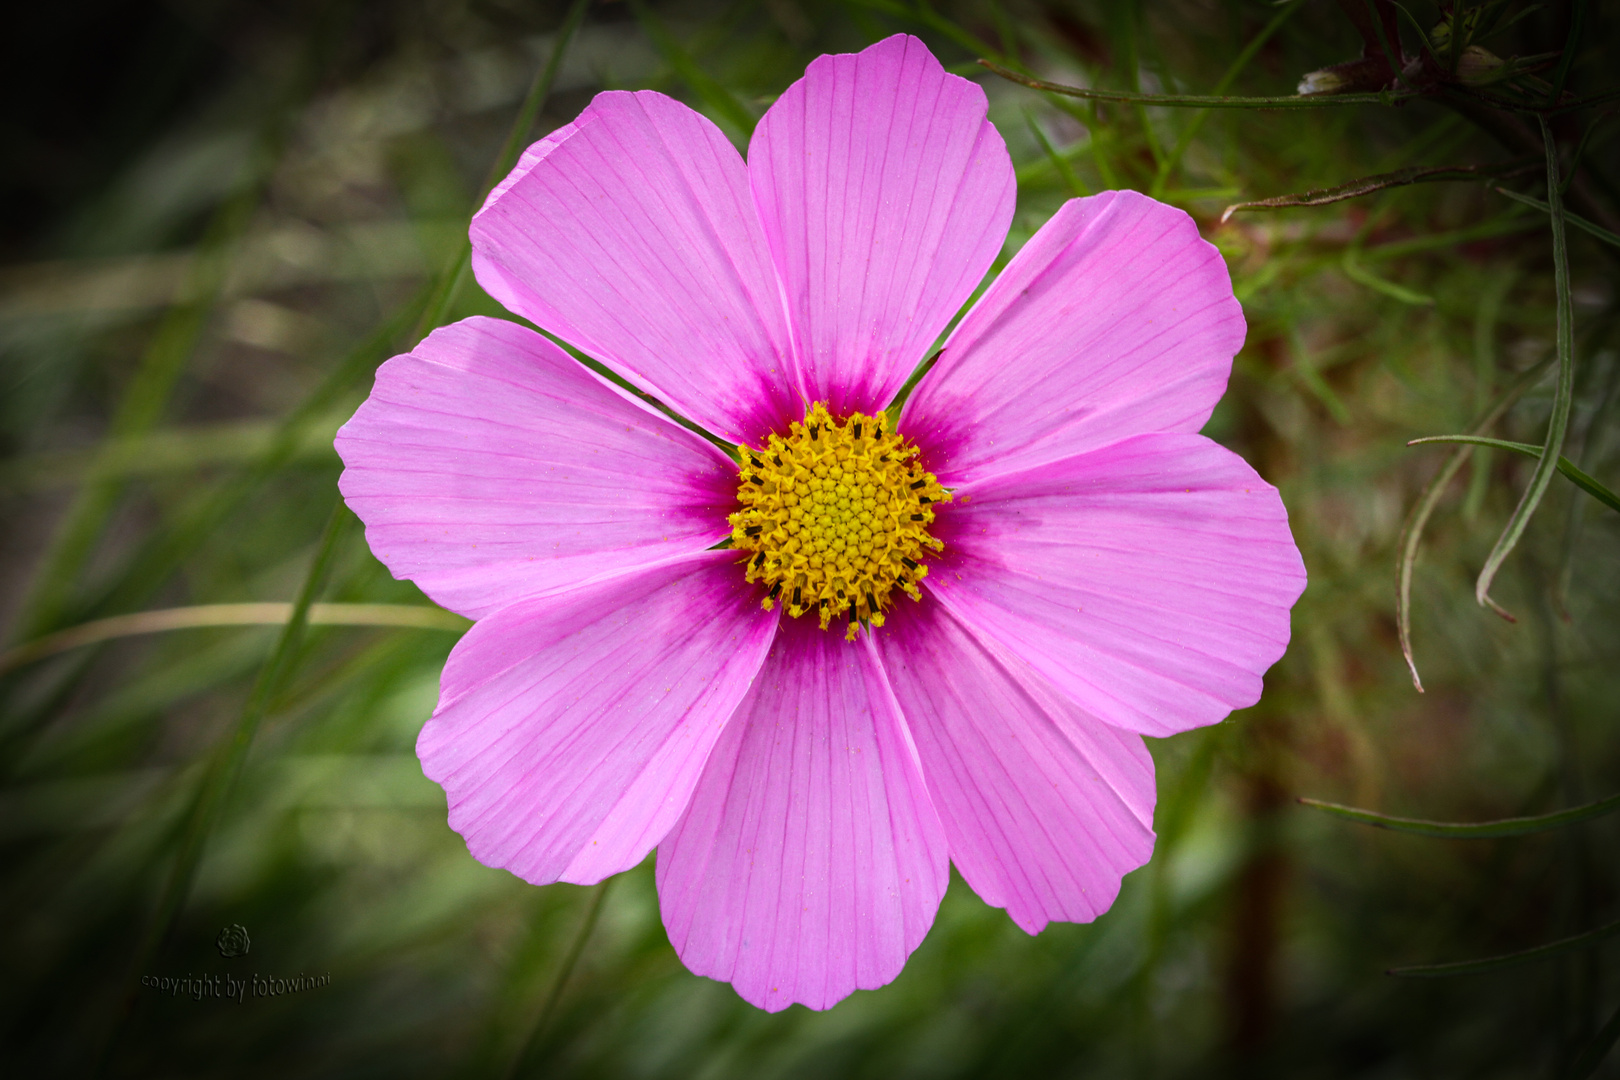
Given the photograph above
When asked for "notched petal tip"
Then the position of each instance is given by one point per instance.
(1117, 308)
(633, 237)
(885, 196)
(1151, 581)
(489, 465)
(1046, 808)
(572, 728)
(810, 861)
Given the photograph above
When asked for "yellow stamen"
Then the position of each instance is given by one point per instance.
(835, 516)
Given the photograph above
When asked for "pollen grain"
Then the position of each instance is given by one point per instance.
(835, 516)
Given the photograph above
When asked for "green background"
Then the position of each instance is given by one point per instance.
(219, 218)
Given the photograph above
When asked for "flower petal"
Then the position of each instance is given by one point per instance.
(526, 161)
(572, 727)
(1150, 581)
(1115, 319)
(1045, 808)
(810, 862)
(886, 195)
(634, 238)
(488, 465)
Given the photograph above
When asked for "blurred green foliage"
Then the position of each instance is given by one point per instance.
(247, 207)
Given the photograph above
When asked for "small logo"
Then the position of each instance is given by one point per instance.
(233, 941)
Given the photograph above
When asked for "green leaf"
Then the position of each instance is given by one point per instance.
(1563, 394)
(1581, 479)
(1476, 830)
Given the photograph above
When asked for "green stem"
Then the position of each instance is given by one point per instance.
(266, 613)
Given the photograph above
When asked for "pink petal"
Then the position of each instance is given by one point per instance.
(886, 195)
(1046, 809)
(634, 238)
(489, 465)
(810, 862)
(527, 160)
(1115, 319)
(572, 728)
(1149, 581)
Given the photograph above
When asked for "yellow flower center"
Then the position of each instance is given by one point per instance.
(836, 513)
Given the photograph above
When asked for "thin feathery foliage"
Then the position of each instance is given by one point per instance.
(220, 218)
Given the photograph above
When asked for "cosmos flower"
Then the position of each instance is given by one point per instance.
(817, 671)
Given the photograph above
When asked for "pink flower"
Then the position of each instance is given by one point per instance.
(1089, 568)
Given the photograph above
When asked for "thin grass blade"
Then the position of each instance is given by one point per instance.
(271, 613)
(172, 344)
(1507, 960)
(1351, 265)
(1190, 132)
(1581, 479)
(1594, 1052)
(1368, 185)
(1590, 227)
(925, 15)
(1198, 101)
(1563, 395)
(706, 86)
(1477, 830)
(1059, 163)
(1412, 530)
(450, 282)
(564, 971)
(224, 768)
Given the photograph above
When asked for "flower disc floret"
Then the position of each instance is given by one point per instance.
(836, 515)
